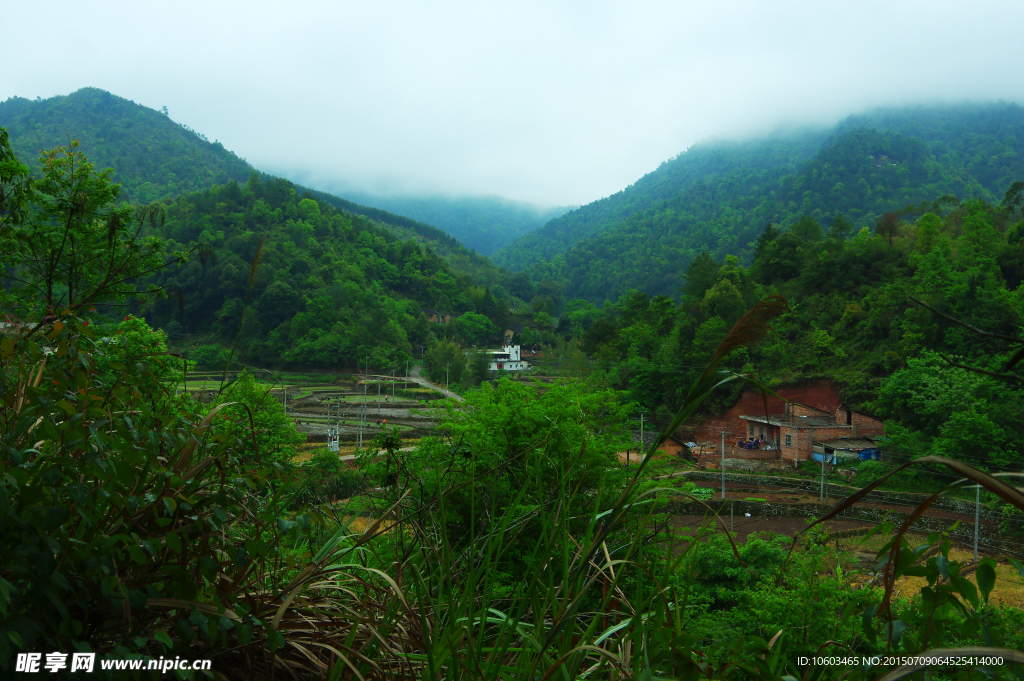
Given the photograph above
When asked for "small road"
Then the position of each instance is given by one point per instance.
(416, 375)
(352, 457)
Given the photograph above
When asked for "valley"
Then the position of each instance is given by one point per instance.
(771, 391)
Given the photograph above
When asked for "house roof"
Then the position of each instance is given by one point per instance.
(807, 406)
(853, 444)
(823, 421)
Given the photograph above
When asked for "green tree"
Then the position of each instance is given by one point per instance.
(477, 368)
(725, 301)
(15, 191)
(841, 228)
(74, 249)
(445, 361)
(701, 274)
(537, 441)
(278, 302)
(888, 225)
(143, 354)
(929, 226)
(769, 235)
(968, 434)
(309, 210)
(256, 422)
(807, 229)
(474, 329)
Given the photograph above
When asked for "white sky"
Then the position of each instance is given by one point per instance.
(556, 103)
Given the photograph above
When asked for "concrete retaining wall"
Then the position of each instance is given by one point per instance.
(837, 492)
(988, 536)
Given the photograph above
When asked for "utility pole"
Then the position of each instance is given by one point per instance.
(447, 368)
(723, 465)
(378, 399)
(392, 386)
(643, 445)
(977, 518)
(362, 422)
(405, 386)
(821, 495)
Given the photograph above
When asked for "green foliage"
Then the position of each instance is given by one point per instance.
(329, 288)
(72, 248)
(950, 411)
(153, 157)
(135, 521)
(474, 329)
(804, 596)
(213, 357)
(256, 422)
(718, 196)
(445, 362)
(15, 187)
(852, 320)
(116, 498)
(530, 444)
(144, 349)
(481, 223)
(325, 478)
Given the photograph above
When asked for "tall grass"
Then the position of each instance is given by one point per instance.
(593, 600)
(574, 584)
(404, 600)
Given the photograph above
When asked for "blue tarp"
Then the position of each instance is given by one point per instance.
(869, 455)
(829, 458)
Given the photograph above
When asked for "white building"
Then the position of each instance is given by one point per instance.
(507, 359)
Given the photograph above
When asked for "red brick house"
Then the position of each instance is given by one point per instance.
(796, 430)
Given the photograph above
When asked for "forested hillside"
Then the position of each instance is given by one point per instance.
(153, 157)
(866, 167)
(329, 288)
(853, 319)
(142, 525)
(701, 163)
(452, 249)
(482, 223)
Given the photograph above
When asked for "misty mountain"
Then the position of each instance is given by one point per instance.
(700, 163)
(156, 159)
(482, 223)
(719, 196)
(153, 157)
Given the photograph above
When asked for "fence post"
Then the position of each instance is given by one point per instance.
(821, 494)
(977, 516)
(723, 465)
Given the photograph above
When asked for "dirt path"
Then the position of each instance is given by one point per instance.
(417, 376)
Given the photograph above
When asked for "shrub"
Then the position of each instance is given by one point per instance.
(127, 525)
(209, 357)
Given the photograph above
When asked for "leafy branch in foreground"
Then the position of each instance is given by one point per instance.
(65, 244)
(1012, 341)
